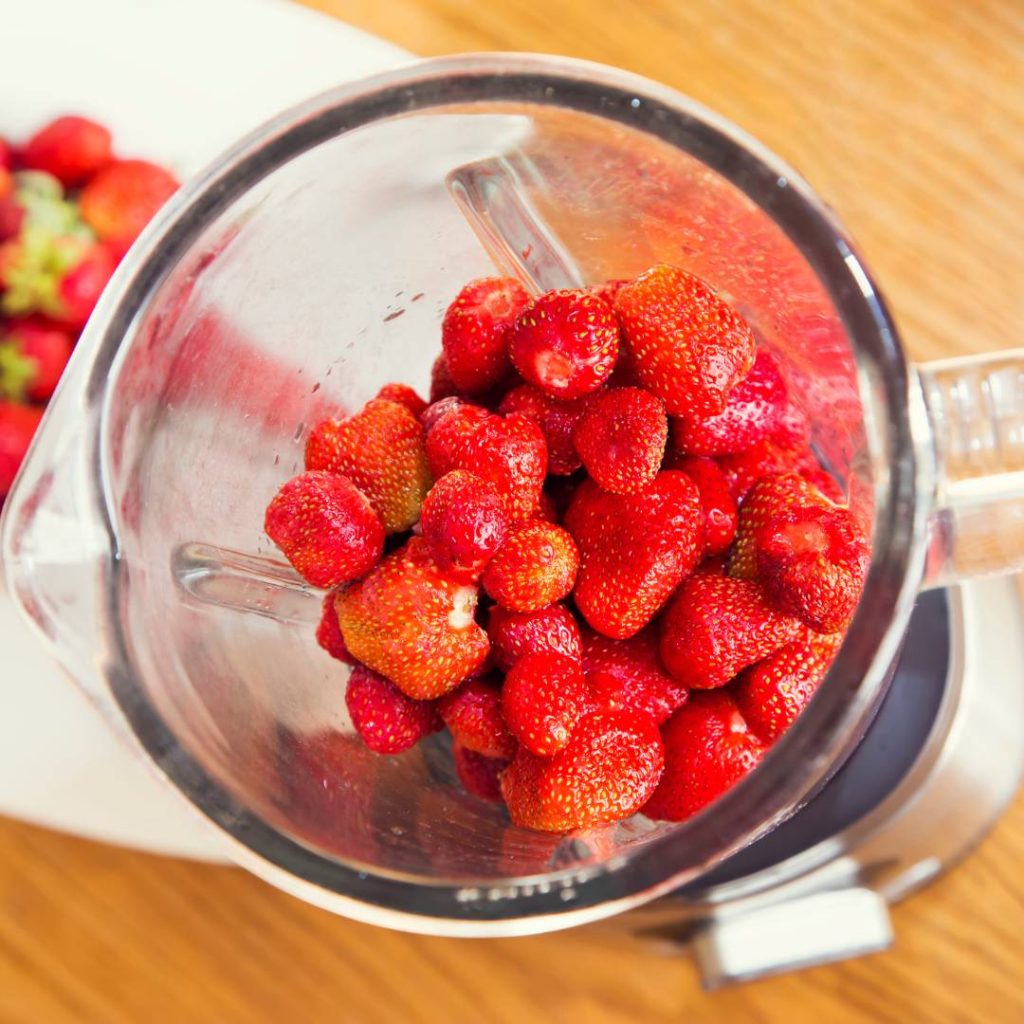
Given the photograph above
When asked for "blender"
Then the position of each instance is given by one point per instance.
(310, 265)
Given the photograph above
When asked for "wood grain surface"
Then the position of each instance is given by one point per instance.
(907, 117)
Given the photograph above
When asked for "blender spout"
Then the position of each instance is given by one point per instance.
(57, 552)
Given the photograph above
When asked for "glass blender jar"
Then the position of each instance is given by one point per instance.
(310, 265)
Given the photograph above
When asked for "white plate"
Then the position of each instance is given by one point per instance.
(176, 82)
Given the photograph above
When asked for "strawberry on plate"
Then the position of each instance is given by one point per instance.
(71, 148)
(33, 354)
(18, 425)
(120, 200)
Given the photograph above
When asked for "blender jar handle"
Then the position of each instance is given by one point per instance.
(975, 408)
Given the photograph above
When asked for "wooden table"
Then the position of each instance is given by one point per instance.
(907, 116)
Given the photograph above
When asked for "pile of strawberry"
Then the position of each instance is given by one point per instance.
(604, 556)
(69, 210)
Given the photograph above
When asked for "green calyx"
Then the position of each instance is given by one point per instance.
(53, 240)
(17, 371)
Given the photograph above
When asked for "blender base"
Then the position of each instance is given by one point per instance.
(938, 766)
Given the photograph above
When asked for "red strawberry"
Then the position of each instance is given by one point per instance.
(769, 457)
(121, 199)
(12, 213)
(628, 675)
(770, 496)
(464, 523)
(717, 507)
(479, 775)
(381, 449)
(411, 624)
(688, 346)
(325, 527)
(621, 439)
(813, 562)
(402, 394)
(565, 343)
(70, 148)
(544, 697)
(712, 566)
(386, 720)
(451, 425)
(441, 383)
(792, 427)
(715, 626)
(609, 290)
(773, 692)
(474, 716)
(634, 550)
(513, 634)
(328, 632)
(474, 333)
(560, 490)
(80, 288)
(534, 567)
(436, 411)
(753, 411)
(18, 424)
(546, 508)
(557, 420)
(507, 451)
(33, 354)
(607, 771)
(708, 749)
(6, 155)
